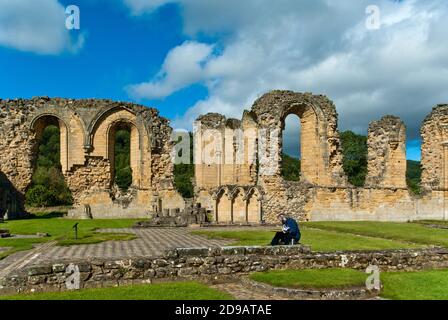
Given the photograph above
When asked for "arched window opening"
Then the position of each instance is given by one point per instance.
(121, 160)
(48, 187)
(291, 148)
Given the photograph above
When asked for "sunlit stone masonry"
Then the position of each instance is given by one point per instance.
(253, 190)
(237, 162)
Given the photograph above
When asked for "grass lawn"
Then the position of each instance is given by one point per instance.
(162, 291)
(312, 279)
(319, 240)
(421, 285)
(412, 232)
(61, 230)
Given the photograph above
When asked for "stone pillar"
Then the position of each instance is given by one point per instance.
(387, 153)
(434, 134)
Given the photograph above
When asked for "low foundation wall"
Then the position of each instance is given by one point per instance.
(359, 293)
(209, 263)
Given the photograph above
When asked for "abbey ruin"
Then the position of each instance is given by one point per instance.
(237, 162)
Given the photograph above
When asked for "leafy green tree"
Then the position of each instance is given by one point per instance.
(290, 168)
(354, 152)
(414, 176)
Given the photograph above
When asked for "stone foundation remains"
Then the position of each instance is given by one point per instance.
(211, 264)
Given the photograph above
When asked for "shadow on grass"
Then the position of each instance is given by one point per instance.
(46, 215)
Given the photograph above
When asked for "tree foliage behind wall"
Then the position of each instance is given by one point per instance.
(414, 176)
(354, 153)
(184, 173)
(123, 171)
(290, 168)
(48, 187)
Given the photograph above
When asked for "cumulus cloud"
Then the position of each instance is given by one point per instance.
(181, 68)
(36, 26)
(319, 46)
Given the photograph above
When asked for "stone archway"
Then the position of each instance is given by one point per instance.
(223, 206)
(320, 151)
(39, 124)
(254, 213)
(103, 142)
(239, 205)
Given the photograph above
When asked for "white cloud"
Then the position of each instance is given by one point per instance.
(181, 68)
(140, 6)
(36, 26)
(321, 46)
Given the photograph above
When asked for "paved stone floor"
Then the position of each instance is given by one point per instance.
(150, 242)
(240, 292)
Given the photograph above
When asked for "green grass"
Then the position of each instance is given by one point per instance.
(162, 291)
(410, 232)
(312, 278)
(319, 240)
(421, 285)
(61, 230)
(432, 222)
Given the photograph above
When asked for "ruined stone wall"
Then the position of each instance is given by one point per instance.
(87, 140)
(434, 134)
(16, 142)
(321, 152)
(323, 192)
(84, 180)
(387, 153)
(224, 151)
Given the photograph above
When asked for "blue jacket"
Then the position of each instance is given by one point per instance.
(292, 228)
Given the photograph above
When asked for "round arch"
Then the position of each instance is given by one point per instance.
(42, 121)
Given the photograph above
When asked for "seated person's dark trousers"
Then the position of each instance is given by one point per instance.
(281, 238)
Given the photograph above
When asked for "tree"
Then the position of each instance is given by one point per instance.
(414, 176)
(354, 153)
(290, 168)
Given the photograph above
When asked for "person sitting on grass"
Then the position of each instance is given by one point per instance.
(290, 233)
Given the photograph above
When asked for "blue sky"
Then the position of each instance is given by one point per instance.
(188, 57)
(119, 49)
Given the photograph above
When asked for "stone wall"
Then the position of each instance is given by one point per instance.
(387, 153)
(213, 263)
(11, 200)
(323, 192)
(87, 142)
(434, 134)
